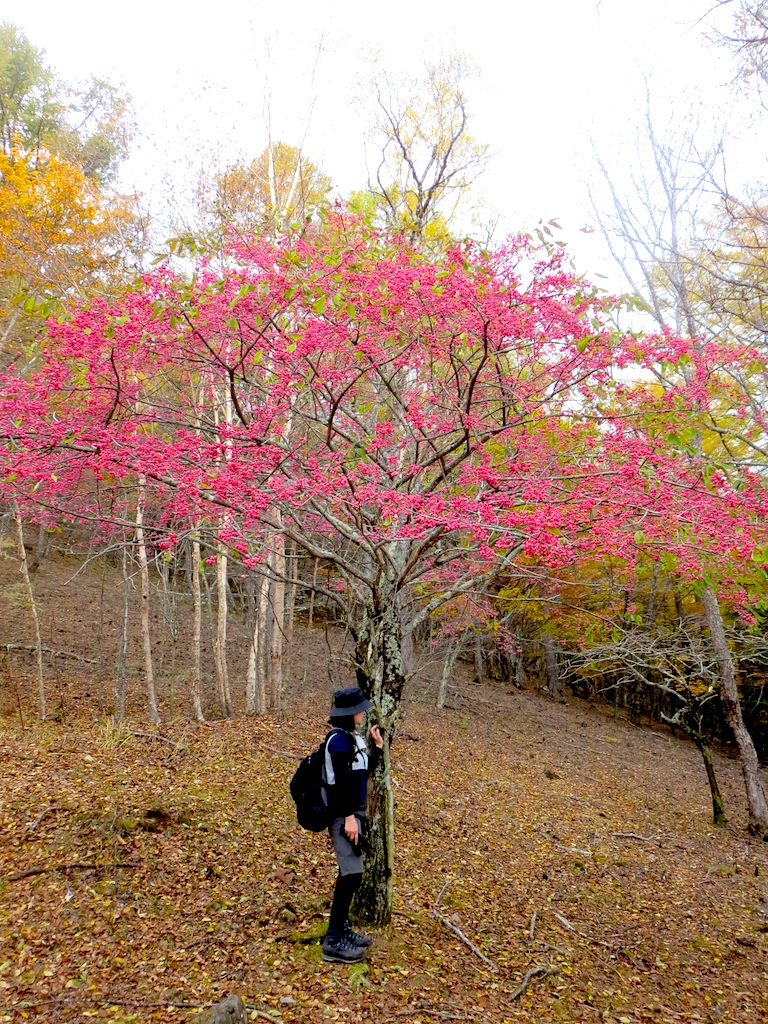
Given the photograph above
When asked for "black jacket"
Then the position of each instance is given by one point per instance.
(346, 768)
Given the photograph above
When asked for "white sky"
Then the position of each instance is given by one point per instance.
(553, 73)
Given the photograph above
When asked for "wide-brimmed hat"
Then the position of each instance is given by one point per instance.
(349, 701)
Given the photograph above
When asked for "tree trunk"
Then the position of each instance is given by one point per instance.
(278, 620)
(373, 900)
(554, 685)
(196, 688)
(255, 683)
(122, 645)
(169, 613)
(220, 649)
(750, 766)
(478, 659)
(312, 592)
(718, 808)
(380, 674)
(292, 562)
(449, 661)
(149, 674)
(41, 549)
(24, 568)
(222, 410)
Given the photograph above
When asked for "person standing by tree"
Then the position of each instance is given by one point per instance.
(346, 768)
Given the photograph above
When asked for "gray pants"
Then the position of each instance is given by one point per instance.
(348, 856)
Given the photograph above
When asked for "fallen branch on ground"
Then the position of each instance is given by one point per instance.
(425, 1008)
(574, 849)
(282, 753)
(464, 939)
(105, 1001)
(440, 896)
(542, 971)
(64, 868)
(555, 949)
(158, 737)
(569, 927)
(634, 835)
(532, 929)
(410, 1011)
(43, 814)
(31, 649)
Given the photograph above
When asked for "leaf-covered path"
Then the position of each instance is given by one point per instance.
(540, 846)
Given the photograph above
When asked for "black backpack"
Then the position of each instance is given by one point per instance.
(308, 789)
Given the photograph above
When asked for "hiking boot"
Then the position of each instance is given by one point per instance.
(341, 950)
(364, 941)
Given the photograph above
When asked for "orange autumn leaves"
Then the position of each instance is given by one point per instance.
(61, 236)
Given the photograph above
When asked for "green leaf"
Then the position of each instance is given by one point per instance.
(357, 976)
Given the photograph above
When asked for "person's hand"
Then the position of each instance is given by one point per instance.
(352, 829)
(377, 737)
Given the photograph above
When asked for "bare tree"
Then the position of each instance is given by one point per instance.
(652, 225)
(679, 664)
(427, 159)
(652, 230)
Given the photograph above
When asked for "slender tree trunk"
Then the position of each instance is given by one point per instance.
(262, 624)
(312, 592)
(222, 675)
(24, 568)
(255, 684)
(554, 684)
(718, 807)
(122, 645)
(278, 619)
(292, 561)
(196, 689)
(222, 406)
(174, 630)
(651, 608)
(41, 549)
(141, 547)
(449, 662)
(478, 659)
(750, 766)
(521, 678)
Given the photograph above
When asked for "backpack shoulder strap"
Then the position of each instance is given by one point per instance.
(333, 732)
(328, 774)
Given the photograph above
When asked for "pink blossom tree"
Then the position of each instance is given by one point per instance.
(418, 425)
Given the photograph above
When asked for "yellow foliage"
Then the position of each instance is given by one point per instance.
(60, 236)
(277, 188)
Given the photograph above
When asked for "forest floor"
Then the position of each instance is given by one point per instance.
(146, 873)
